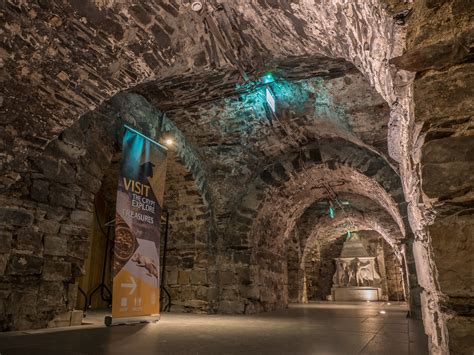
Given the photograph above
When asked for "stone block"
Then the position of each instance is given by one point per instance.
(229, 294)
(73, 135)
(198, 277)
(3, 263)
(77, 269)
(76, 317)
(57, 169)
(3, 311)
(197, 304)
(445, 93)
(56, 270)
(22, 303)
(55, 245)
(72, 290)
(172, 277)
(85, 201)
(230, 307)
(5, 241)
(202, 292)
(51, 297)
(82, 218)
(61, 195)
(452, 243)
(61, 320)
(15, 217)
(24, 264)
(40, 190)
(227, 278)
(28, 239)
(250, 292)
(460, 330)
(78, 248)
(87, 181)
(48, 226)
(183, 277)
(242, 257)
(447, 162)
(72, 229)
(188, 293)
(71, 152)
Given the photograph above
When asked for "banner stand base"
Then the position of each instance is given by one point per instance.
(109, 321)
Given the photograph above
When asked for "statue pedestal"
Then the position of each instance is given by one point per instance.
(355, 293)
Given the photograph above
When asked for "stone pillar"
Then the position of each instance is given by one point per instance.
(414, 289)
(380, 257)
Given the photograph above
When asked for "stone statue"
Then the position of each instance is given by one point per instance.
(342, 273)
(364, 275)
(355, 278)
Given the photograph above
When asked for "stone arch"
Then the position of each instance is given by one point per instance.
(315, 229)
(332, 153)
(62, 187)
(325, 231)
(268, 212)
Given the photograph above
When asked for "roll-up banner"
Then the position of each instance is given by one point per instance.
(136, 263)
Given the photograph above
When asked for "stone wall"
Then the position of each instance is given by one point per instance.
(394, 274)
(190, 265)
(63, 59)
(439, 50)
(47, 229)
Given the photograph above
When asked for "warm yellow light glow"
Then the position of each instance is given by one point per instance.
(382, 312)
(169, 142)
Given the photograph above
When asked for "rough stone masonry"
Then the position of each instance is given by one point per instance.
(374, 108)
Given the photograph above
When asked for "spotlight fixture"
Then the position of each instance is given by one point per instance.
(196, 6)
(267, 78)
(167, 139)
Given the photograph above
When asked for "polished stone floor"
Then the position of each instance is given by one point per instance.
(317, 328)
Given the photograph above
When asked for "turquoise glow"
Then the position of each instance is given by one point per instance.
(307, 97)
(349, 234)
(267, 78)
(331, 212)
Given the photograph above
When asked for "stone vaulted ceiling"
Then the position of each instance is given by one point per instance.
(202, 70)
(240, 178)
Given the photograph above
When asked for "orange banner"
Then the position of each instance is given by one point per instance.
(136, 266)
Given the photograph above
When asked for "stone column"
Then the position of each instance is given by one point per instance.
(414, 289)
(381, 264)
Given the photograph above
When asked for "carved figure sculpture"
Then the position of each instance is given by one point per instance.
(351, 272)
(342, 273)
(365, 274)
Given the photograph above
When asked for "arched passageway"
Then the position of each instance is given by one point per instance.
(353, 122)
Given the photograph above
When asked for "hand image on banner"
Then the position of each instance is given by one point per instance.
(136, 264)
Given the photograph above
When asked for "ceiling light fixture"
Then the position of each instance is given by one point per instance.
(196, 6)
(270, 99)
(169, 142)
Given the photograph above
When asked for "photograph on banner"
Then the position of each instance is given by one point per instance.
(136, 265)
